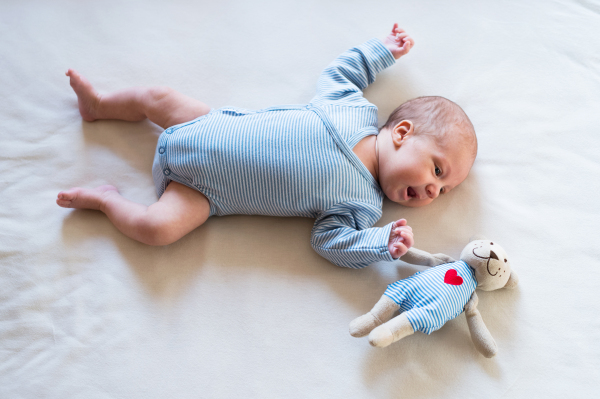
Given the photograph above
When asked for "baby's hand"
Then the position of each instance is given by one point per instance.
(398, 42)
(401, 239)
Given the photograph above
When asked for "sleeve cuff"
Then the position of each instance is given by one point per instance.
(385, 237)
(377, 54)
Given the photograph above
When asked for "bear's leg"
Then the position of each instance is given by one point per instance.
(392, 331)
(381, 312)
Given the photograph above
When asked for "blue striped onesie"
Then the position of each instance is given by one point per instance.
(433, 297)
(292, 160)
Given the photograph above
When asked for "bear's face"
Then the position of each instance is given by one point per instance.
(490, 262)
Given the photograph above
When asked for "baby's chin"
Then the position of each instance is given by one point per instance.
(413, 203)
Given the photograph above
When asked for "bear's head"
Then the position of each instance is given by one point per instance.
(491, 265)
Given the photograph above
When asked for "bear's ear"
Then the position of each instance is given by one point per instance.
(513, 280)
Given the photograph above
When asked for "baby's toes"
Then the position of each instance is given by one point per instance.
(65, 195)
(65, 198)
(63, 203)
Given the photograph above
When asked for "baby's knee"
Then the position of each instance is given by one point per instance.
(156, 231)
(157, 93)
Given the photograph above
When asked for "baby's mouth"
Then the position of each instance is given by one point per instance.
(411, 192)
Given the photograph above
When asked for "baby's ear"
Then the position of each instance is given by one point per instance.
(513, 280)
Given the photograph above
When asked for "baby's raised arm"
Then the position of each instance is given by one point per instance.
(344, 79)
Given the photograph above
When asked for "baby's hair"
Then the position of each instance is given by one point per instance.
(435, 116)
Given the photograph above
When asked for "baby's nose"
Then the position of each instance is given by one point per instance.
(432, 191)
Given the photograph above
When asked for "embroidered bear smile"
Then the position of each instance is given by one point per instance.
(492, 256)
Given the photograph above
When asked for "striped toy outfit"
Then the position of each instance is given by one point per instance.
(433, 297)
(292, 160)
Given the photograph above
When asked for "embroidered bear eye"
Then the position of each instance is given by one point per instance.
(504, 260)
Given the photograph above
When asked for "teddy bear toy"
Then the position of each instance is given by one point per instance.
(428, 299)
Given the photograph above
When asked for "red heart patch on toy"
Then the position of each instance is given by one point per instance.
(453, 278)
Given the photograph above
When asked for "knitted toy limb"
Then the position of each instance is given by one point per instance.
(392, 331)
(418, 257)
(381, 312)
(480, 335)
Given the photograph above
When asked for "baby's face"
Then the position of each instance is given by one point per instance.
(421, 168)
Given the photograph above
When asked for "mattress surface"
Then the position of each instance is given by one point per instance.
(243, 307)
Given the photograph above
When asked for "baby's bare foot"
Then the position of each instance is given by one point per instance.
(87, 97)
(85, 198)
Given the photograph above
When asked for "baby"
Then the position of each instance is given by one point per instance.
(326, 160)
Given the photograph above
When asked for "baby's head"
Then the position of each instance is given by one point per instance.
(426, 148)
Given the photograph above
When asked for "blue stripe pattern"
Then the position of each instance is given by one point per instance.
(292, 160)
(429, 302)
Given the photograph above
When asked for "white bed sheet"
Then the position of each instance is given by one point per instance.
(243, 307)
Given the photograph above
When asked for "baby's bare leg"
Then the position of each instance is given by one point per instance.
(162, 105)
(178, 211)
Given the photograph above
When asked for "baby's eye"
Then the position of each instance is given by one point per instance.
(442, 191)
(438, 171)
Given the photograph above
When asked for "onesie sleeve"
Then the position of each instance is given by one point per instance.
(346, 77)
(344, 236)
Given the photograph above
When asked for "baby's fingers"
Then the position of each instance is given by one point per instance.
(401, 36)
(398, 227)
(396, 29)
(398, 250)
(399, 223)
(408, 239)
(408, 43)
(400, 232)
